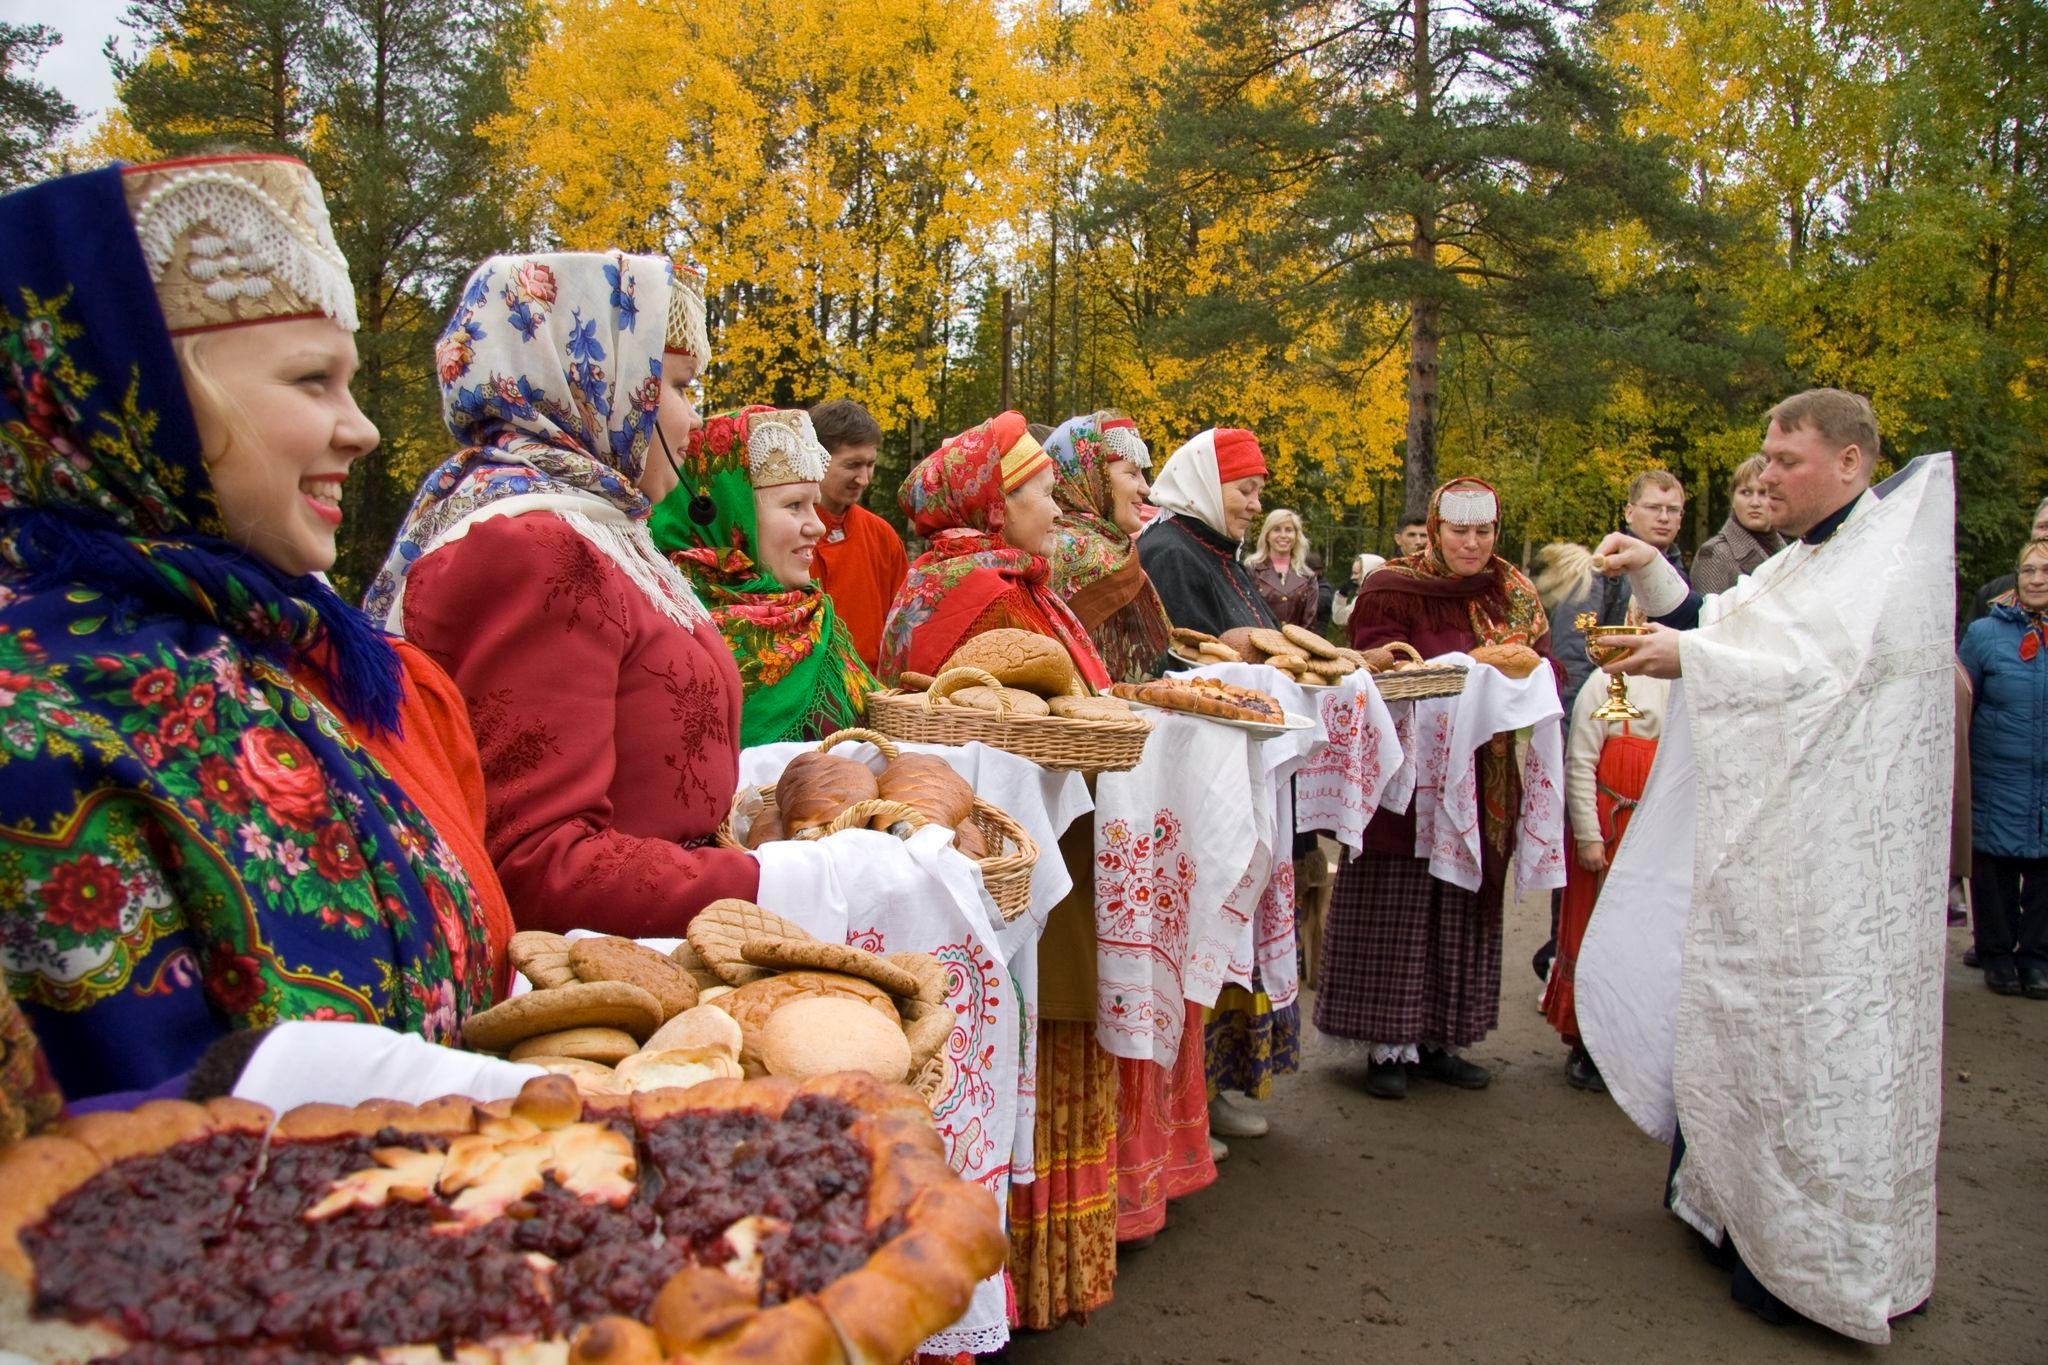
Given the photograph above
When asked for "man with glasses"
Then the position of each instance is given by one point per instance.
(1655, 511)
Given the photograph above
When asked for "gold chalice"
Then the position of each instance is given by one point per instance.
(1617, 706)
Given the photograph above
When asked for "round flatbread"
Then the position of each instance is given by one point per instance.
(1310, 643)
(722, 926)
(788, 955)
(606, 1045)
(580, 1004)
(621, 959)
(700, 972)
(930, 974)
(927, 1034)
(1270, 641)
(541, 957)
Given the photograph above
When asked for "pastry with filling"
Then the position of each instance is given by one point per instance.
(734, 1220)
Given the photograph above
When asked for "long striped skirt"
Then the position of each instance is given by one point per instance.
(1063, 1224)
(1408, 959)
(1248, 1042)
(1162, 1135)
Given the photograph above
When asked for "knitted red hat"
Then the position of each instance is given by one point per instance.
(1238, 455)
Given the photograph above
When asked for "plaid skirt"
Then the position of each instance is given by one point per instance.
(1407, 958)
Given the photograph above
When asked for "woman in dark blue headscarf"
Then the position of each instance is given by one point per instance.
(193, 836)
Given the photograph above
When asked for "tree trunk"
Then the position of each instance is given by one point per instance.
(1425, 312)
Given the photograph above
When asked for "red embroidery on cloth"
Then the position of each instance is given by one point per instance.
(581, 577)
(697, 706)
(512, 744)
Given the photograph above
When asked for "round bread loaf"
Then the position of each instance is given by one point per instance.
(1239, 638)
(1019, 659)
(704, 1026)
(815, 787)
(814, 1037)
(1021, 703)
(930, 785)
(1515, 660)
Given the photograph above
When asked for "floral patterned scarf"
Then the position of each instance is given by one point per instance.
(799, 672)
(550, 382)
(1095, 564)
(955, 497)
(1509, 611)
(189, 840)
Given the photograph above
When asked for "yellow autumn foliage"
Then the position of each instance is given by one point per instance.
(836, 167)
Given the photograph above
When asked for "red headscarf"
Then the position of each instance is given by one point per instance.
(971, 579)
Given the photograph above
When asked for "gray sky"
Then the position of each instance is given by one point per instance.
(75, 65)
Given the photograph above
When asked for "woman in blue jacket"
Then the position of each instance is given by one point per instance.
(2006, 655)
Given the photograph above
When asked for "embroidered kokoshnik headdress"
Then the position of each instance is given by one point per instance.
(232, 240)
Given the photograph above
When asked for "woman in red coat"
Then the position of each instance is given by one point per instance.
(606, 704)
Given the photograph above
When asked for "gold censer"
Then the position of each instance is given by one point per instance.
(1617, 706)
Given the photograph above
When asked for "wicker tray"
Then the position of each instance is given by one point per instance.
(1086, 746)
(1414, 684)
(1006, 871)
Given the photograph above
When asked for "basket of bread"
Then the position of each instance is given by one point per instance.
(1402, 674)
(747, 993)
(1015, 691)
(821, 793)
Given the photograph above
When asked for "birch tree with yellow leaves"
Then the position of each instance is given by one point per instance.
(840, 169)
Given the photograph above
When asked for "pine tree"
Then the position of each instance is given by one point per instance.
(32, 115)
(1435, 168)
(385, 99)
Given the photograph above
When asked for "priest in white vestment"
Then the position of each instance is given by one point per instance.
(1762, 978)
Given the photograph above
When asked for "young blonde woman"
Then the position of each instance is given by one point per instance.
(1279, 567)
(225, 799)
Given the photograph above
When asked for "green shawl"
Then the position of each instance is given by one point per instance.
(799, 672)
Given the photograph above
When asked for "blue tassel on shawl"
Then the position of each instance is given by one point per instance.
(56, 548)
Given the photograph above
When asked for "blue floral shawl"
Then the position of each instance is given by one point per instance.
(189, 840)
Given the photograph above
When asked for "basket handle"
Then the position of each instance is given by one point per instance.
(953, 679)
(861, 813)
(853, 734)
(1403, 647)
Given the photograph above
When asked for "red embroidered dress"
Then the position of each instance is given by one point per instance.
(605, 702)
(609, 734)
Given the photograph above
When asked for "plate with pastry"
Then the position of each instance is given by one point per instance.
(1246, 708)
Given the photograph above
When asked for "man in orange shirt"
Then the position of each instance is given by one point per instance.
(860, 562)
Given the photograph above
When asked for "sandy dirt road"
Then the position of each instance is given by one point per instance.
(1522, 1224)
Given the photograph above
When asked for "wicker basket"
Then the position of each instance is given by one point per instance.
(1006, 871)
(1414, 684)
(1065, 742)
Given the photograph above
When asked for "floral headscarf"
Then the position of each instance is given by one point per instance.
(189, 839)
(799, 672)
(955, 497)
(550, 374)
(1094, 562)
(1509, 611)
